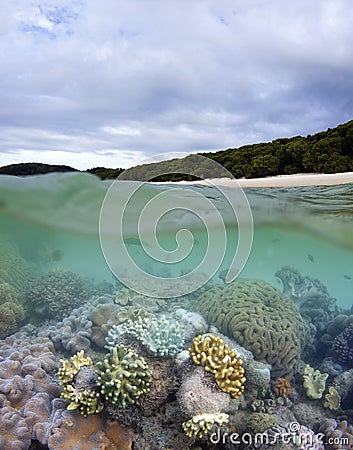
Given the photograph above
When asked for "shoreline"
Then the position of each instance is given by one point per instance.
(307, 179)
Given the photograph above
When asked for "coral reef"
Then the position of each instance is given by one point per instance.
(282, 387)
(260, 318)
(310, 295)
(343, 346)
(72, 431)
(123, 376)
(14, 269)
(314, 382)
(56, 293)
(338, 434)
(11, 316)
(73, 333)
(200, 425)
(216, 357)
(198, 393)
(79, 381)
(27, 392)
(192, 323)
(332, 399)
(290, 437)
(160, 337)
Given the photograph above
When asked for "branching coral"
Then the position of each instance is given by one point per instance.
(260, 318)
(123, 376)
(79, 381)
(216, 357)
(200, 425)
(314, 382)
(160, 337)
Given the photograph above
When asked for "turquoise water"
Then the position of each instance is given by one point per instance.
(53, 221)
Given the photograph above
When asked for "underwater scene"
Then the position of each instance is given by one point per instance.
(174, 316)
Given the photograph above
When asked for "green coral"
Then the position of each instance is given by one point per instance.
(123, 376)
(260, 318)
(200, 425)
(78, 379)
(161, 337)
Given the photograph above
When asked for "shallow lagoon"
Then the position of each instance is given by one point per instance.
(52, 222)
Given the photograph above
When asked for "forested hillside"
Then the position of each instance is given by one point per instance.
(329, 151)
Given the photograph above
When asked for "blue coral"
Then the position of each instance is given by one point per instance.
(160, 337)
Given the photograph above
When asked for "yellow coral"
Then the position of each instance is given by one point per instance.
(71, 367)
(201, 424)
(332, 399)
(216, 357)
(314, 382)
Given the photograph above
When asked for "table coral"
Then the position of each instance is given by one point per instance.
(216, 357)
(123, 376)
(260, 318)
(200, 425)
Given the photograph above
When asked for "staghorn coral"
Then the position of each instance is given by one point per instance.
(260, 318)
(123, 376)
(200, 425)
(332, 399)
(71, 367)
(343, 346)
(56, 293)
(216, 357)
(282, 387)
(160, 337)
(314, 382)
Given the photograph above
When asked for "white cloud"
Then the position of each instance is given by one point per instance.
(82, 76)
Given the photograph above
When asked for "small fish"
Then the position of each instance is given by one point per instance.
(311, 258)
(347, 277)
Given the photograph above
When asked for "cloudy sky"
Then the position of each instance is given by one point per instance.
(108, 83)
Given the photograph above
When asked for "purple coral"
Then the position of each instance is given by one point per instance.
(343, 346)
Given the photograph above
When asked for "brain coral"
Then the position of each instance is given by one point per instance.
(260, 318)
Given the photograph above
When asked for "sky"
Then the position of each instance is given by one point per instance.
(91, 83)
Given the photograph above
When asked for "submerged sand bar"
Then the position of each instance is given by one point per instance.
(307, 179)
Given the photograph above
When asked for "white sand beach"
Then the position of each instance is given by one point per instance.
(306, 179)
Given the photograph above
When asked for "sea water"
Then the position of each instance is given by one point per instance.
(55, 220)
